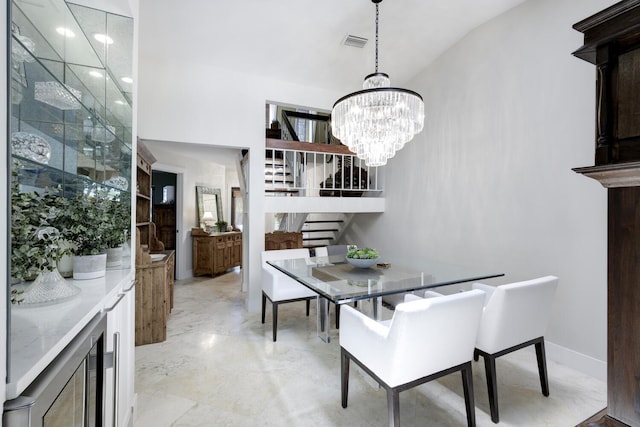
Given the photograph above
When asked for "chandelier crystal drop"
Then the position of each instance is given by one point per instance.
(378, 120)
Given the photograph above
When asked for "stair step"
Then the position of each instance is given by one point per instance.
(320, 230)
(286, 181)
(321, 221)
(277, 174)
(280, 190)
(308, 239)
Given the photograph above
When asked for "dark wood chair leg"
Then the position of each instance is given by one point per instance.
(308, 305)
(542, 366)
(393, 407)
(492, 386)
(337, 316)
(264, 305)
(274, 308)
(476, 355)
(344, 375)
(467, 385)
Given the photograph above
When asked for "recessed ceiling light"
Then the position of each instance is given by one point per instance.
(65, 32)
(127, 79)
(103, 38)
(95, 73)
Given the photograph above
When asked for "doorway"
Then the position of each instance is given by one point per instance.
(163, 212)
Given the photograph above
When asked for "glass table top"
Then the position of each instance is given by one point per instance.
(340, 282)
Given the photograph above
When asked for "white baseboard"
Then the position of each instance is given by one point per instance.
(578, 361)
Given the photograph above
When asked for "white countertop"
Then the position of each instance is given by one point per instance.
(39, 334)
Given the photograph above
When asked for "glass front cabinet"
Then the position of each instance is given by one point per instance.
(70, 149)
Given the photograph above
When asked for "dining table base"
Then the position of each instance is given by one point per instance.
(323, 317)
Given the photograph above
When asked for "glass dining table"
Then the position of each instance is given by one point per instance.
(336, 281)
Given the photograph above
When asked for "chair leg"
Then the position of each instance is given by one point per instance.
(308, 305)
(274, 310)
(467, 385)
(542, 366)
(344, 375)
(264, 305)
(393, 407)
(337, 316)
(492, 385)
(476, 355)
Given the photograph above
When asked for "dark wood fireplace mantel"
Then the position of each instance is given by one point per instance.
(612, 44)
(613, 175)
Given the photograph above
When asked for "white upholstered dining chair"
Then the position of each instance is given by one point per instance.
(280, 288)
(425, 339)
(515, 316)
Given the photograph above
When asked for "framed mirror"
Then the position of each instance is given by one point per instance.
(209, 204)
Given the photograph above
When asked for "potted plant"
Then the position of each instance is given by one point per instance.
(363, 257)
(36, 247)
(222, 226)
(87, 217)
(119, 213)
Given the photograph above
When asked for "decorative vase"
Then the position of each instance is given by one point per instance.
(49, 288)
(114, 257)
(65, 265)
(89, 266)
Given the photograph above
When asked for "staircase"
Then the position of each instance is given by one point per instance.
(324, 229)
(278, 179)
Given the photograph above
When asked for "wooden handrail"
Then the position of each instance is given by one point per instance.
(281, 144)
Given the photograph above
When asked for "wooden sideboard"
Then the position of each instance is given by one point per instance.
(154, 298)
(215, 253)
(282, 240)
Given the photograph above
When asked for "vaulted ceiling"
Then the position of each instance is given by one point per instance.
(301, 40)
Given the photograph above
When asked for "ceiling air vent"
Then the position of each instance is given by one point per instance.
(355, 41)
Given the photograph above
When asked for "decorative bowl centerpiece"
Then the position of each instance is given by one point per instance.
(363, 257)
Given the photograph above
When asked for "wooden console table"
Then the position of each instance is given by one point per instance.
(215, 253)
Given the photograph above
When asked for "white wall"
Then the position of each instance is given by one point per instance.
(191, 103)
(509, 112)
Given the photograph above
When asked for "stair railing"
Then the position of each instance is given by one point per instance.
(324, 170)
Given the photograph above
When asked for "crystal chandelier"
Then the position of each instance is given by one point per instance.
(378, 120)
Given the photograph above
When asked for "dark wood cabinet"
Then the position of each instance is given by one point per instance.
(215, 253)
(164, 217)
(612, 44)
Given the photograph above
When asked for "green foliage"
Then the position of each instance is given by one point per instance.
(47, 226)
(35, 239)
(221, 225)
(119, 221)
(362, 253)
(86, 219)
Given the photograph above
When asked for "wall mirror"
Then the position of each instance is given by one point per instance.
(209, 203)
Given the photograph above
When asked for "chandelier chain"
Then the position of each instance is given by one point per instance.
(377, 14)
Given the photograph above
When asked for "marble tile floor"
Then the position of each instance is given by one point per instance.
(219, 367)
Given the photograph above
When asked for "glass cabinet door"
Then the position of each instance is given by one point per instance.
(70, 125)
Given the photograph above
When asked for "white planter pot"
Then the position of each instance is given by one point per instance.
(65, 265)
(114, 257)
(89, 266)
